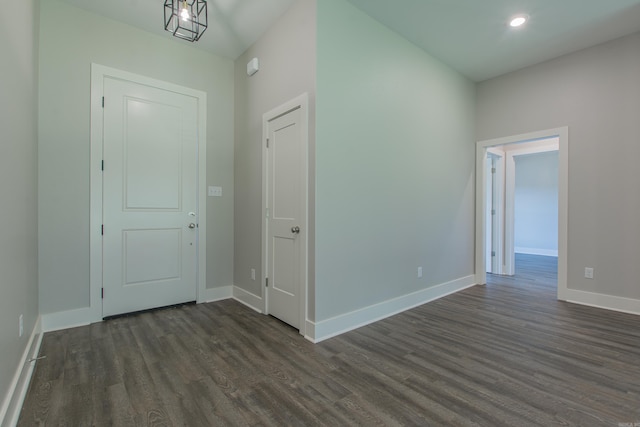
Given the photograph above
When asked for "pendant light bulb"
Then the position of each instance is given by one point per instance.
(184, 13)
(185, 19)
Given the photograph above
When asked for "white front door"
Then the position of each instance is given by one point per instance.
(149, 197)
(286, 210)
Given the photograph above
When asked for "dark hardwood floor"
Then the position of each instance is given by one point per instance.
(505, 354)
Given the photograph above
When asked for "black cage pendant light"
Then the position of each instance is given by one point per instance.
(186, 19)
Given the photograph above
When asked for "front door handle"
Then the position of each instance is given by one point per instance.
(295, 230)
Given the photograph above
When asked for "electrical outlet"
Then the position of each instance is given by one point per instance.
(20, 326)
(214, 191)
(419, 272)
(253, 274)
(588, 272)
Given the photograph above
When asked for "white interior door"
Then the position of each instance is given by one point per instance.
(496, 208)
(149, 197)
(286, 202)
(495, 211)
(489, 257)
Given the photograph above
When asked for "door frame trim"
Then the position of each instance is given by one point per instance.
(98, 74)
(563, 200)
(300, 102)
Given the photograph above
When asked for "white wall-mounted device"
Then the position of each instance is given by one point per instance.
(253, 66)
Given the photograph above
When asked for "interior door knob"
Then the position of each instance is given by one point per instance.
(192, 225)
(295, 229)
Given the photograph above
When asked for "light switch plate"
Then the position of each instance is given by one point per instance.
(588, 272)
(215, 191)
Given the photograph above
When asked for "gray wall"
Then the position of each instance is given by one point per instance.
(394, 165)
(596, 93)
(70, 40)
(536, 203)
(287, 54)
(18, 180)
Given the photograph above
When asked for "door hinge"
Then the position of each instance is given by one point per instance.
(103, 102)
(102, 292)
(267, 282)
(493, 253)
(267, 142)
(102, 165)
(102, 229)
(493, 170)
(493, 211)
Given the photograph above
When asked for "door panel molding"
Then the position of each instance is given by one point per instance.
(299, 103)
(98, 75)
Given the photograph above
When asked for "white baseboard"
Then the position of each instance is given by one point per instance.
(215, 294)
(607, 302)
(67, 319)
(11, 407)
(85, 316)
(252, 301)
(536, 251)
(325, 329)
(310, 331)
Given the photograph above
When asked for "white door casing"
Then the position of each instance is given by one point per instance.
(285, 180)
(148, 136)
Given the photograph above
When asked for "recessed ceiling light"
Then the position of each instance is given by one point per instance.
(518, 21)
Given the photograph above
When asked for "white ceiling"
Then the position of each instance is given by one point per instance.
(234, 25)
(471, 36)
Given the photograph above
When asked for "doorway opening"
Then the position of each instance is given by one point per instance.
(521, 203)
(541, 230)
